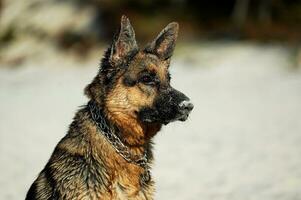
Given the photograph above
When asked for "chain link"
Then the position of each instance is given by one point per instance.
(117, 144)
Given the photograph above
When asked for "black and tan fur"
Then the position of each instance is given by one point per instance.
(133, 90)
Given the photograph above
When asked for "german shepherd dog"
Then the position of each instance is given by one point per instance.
(107, 152)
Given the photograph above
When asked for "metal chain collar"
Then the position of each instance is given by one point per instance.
(117, 144)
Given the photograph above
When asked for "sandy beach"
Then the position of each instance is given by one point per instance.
(241, 142)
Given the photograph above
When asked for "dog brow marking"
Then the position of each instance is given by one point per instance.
(160, 70)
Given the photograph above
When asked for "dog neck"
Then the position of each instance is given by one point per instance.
(123, 133)
(134, 133)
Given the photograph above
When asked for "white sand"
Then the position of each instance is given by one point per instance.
(242, 141)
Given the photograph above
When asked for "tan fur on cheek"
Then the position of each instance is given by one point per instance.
(122, 105)
(140, 96)
(128, 100)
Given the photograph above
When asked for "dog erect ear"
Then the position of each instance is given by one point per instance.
(124, 42)
(163, 46)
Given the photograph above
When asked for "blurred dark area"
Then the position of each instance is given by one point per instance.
(265, 20)
(80, 25)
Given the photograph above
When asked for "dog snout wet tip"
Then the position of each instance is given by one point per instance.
(186, 105)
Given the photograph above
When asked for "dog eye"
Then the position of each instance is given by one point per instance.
(147, 80)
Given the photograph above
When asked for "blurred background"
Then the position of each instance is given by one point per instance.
(238, 60)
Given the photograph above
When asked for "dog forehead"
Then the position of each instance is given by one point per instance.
(149, 62)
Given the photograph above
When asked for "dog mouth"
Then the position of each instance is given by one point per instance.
(154, 116)
(183, 118)
(183, 112)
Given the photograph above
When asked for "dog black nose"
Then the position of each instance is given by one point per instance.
(186, 105)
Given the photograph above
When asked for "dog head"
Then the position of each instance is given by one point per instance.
(134, 84)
